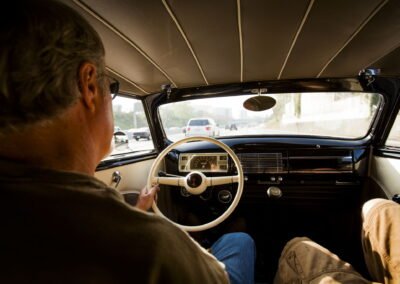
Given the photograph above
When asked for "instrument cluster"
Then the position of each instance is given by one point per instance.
(203, 162)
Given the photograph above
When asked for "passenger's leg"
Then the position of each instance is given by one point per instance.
(304, 261)
(381, 239)
(237, 252)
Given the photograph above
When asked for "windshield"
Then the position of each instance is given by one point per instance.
(334, 114)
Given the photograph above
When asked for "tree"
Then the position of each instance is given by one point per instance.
(297, 105)
(279, 108)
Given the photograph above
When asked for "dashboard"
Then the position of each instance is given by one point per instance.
(302, 169)
(282, 162)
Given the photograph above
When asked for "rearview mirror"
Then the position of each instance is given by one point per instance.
(259, 103)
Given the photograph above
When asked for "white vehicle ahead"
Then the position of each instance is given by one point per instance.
(120, 137)
(202, 127)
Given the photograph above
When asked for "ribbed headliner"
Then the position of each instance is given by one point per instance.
(196, 43)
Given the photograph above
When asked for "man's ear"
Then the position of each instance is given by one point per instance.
(88, 85)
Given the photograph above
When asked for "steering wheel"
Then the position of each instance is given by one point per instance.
(196, 182)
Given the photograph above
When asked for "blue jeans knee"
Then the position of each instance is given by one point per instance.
(237, 251)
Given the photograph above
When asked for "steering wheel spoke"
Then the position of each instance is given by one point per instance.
(213, 181)
(175, 181)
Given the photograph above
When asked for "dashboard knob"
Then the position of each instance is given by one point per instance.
(225, 196)
(274, 192)
(184, 192)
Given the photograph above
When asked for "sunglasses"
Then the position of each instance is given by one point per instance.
(114, 86)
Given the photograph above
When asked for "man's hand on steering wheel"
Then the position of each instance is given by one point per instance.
(146, 197)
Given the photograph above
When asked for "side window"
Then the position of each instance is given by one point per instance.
(131, 129)
(394, 135)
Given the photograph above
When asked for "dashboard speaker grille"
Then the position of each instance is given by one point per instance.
(254, 163)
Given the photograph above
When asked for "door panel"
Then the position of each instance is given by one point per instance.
(134, 176)
(385, 172)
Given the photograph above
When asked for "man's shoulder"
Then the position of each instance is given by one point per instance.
(101, 228)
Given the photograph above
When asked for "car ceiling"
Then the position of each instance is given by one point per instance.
(196, 43)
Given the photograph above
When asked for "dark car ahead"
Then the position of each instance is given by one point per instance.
(141, 133)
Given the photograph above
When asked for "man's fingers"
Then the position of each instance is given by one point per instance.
(154, 188)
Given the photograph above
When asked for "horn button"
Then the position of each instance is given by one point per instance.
(194, 180)
(195, 183)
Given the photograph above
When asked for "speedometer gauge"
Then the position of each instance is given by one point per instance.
(204, 162)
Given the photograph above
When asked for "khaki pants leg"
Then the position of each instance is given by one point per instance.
(304, 261)
(381, 240)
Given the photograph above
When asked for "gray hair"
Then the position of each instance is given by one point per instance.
(43, 43)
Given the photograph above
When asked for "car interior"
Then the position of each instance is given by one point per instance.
(311, 87)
